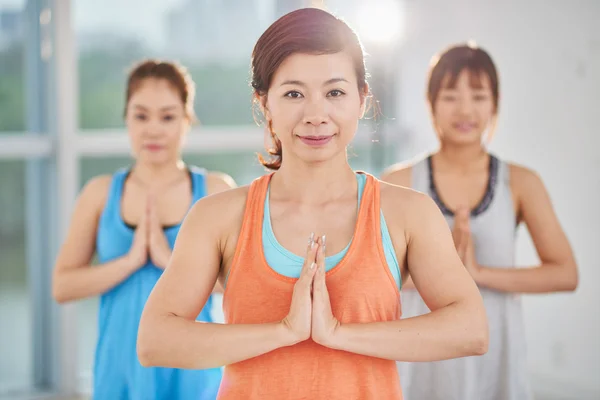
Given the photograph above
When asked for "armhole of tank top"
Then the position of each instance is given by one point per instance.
(505, 179)
(115, 193)
(199, 187)
(245, 231)
(378, 236)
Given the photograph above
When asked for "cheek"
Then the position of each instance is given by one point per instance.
(486, 111)
(441, 115)
(135, 130)
(176, 132)
(284, 117)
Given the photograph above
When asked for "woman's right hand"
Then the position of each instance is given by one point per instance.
(298, 320)
(138, 253)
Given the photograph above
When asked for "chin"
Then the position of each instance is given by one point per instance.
(464, 138)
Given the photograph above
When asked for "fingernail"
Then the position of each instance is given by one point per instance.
(313, 265)
(311, 240)
(323, 243)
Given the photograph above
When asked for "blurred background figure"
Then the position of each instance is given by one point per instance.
(130, 219)
(483, 199)
(62, 75)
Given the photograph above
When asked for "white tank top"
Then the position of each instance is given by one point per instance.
(500, 374)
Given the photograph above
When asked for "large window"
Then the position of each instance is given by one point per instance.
(213, 40)
(16, 371)
(12, 58)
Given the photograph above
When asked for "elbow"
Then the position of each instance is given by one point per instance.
(479, 342)
(145, 354)
(148, 344)
(146, 351)
(479, 337)
(573, 281)
(58, 293)
(569, 279)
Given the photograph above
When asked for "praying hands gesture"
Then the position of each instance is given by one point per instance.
(149, 240)
(463, 241)
(310, 314)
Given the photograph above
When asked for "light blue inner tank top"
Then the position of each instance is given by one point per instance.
(289, 264)
(118, 375)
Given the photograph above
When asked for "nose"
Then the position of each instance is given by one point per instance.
(316, 111)
(465, 105)
(154, 128)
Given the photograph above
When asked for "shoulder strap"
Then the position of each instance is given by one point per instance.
(198, 176)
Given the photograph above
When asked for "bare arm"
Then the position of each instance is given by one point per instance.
(217, 182)
(558, 269)
(457, 325)
(74, 278)
(169, 335)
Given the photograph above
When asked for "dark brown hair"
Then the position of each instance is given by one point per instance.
(308, 31)
(447, 66)
(177, 76)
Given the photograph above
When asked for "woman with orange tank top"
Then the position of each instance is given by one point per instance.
(312, 256)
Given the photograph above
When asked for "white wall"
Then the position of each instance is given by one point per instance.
(548, 55)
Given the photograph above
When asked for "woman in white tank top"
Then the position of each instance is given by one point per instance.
(483, 200)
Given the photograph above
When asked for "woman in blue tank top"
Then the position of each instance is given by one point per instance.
(130, 221)
(484, 199)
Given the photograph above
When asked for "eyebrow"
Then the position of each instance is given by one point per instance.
(166, 108)
(300, 83)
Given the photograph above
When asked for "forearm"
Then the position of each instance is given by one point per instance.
(90, 280)
(540, 279)
(450, 332)
(175, 342)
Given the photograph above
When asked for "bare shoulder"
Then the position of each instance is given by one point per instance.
(524, 180)
(95, 191)
(398, 174)
(403, 204)
(521, 174)
(220, 206)
(218, 182)
(404, 197)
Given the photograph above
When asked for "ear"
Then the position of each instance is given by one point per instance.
(363, 100)
(262, 103)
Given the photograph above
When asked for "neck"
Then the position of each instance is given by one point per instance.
(462, 157)
(155, 176)
(314, 183)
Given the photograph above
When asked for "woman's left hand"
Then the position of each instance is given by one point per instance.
(324, 324)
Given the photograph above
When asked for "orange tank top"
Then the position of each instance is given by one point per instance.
(361, 290)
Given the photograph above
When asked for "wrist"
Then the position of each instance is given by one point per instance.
(479, 274)
(284, 335)
(131, 263)
(336, 338)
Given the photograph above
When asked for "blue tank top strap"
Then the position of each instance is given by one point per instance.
(116, 191)
(198, 176)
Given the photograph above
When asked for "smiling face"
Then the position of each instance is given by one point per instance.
(464, 111)
(156, 121)
(313, 105)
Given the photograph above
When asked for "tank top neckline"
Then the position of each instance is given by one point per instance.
(358, 227)
(488, 196)
(132, 227)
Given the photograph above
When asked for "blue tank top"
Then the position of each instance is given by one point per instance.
(118, 374)
(289, 264)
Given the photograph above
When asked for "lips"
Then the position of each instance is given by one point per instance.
(465, 127)
(315, 141)
(153, 147)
